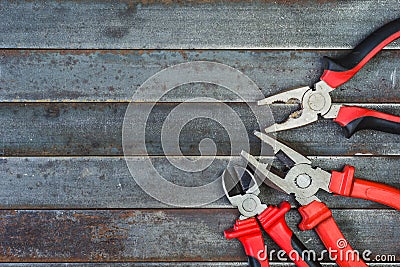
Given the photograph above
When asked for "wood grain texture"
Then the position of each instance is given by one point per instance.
(67, 197)
(115, 75)
(168, 264)
(59, 129)
(164, 235)
(101, 183)
(179, 25)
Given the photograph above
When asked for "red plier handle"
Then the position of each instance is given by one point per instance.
(344, 184)
(317, 216)
(249, 234)
(353, 119)
(273, 222)
(338, 71)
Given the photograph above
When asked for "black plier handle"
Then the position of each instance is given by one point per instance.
(340, 70)
(316, 101)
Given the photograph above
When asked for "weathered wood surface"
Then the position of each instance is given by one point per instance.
(65, 187)
(168, 264)
(164, 235)
(81, 129)
(191, 24)
(115, 75)
(93, 182)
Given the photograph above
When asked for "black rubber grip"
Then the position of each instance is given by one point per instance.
(371, 123)
(253, 262)
(352, 59)
(302, 251)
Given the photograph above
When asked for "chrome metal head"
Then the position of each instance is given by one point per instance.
(301, 179)
(278, 146)
(242, 191)
(292, 96)
(313, 102)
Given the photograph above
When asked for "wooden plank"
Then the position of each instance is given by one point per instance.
(168, 264)
(164, 235)
(94, 182)
(115, 75)
(59, 129)
(171, 24)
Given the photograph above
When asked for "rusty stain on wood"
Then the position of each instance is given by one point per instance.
(174, 24)
(115, 75)
(78, 129)
(160, 235)
(72, 64)
(171, 264)
(108, 184)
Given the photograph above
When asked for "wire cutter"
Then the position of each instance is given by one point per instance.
(315, 100)
(304, 181)
(242, 191)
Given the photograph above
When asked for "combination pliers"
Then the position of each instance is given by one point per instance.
(315, 101)
(242, 191)
(303, 181)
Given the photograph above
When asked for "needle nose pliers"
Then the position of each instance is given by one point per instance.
(304, 181)
(315, 100)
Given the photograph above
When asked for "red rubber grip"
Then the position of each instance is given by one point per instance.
(353, 119)
(344, 184)
(347, 114)
(317, 216)
(273, 221)
(336, 78)
(249, 234)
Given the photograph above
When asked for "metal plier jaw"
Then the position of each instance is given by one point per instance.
(313, 101)
(244, 197)
(301, 180)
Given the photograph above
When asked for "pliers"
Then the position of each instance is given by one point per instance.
(304, 181)
(315, 100)
(242, 191)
